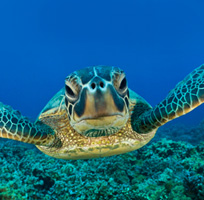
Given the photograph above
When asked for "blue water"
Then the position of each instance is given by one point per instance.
(157, 43)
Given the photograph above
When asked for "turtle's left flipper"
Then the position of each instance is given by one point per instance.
(187, 95)
(17, 127)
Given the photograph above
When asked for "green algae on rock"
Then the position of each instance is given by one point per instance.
(163, 170)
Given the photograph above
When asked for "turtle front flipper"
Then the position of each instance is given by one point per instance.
(186, 96)
(17, 127)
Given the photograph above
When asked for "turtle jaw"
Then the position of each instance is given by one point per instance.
(100, 118)
(101, 126)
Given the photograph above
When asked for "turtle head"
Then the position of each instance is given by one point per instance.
(97, 100)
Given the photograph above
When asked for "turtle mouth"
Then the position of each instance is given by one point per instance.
(100, 132)
(103, 125)
(100, 117)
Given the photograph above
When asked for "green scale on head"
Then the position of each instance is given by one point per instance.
(97, 115)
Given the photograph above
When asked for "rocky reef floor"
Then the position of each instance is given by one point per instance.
(164, 169)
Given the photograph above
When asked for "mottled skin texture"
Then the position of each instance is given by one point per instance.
(77, 146)
(56, 132)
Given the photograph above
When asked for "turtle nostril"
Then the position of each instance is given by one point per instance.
(93, 85)
(97, 84)
(101, 84)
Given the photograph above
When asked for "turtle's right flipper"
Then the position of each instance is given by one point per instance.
(17, 127)
(186, 96)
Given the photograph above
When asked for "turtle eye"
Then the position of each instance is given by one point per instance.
(69, 91)
(123, 84)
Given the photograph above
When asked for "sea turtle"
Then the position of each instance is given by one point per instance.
(97, 115)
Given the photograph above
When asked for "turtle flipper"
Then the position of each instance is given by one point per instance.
(187, 95)
(17, 127)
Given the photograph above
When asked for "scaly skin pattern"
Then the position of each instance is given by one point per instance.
(76, 146)
(53, 134)
(14, 126)
(186, 96)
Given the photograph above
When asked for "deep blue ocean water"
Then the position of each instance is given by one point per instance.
(157, 43)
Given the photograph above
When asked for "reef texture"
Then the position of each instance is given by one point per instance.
(165, 169)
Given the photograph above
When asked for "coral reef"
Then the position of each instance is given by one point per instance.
(182, 132)
(164, 169)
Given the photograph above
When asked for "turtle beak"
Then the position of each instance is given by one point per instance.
(98, 100)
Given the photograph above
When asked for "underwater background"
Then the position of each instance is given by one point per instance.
(157, 43)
